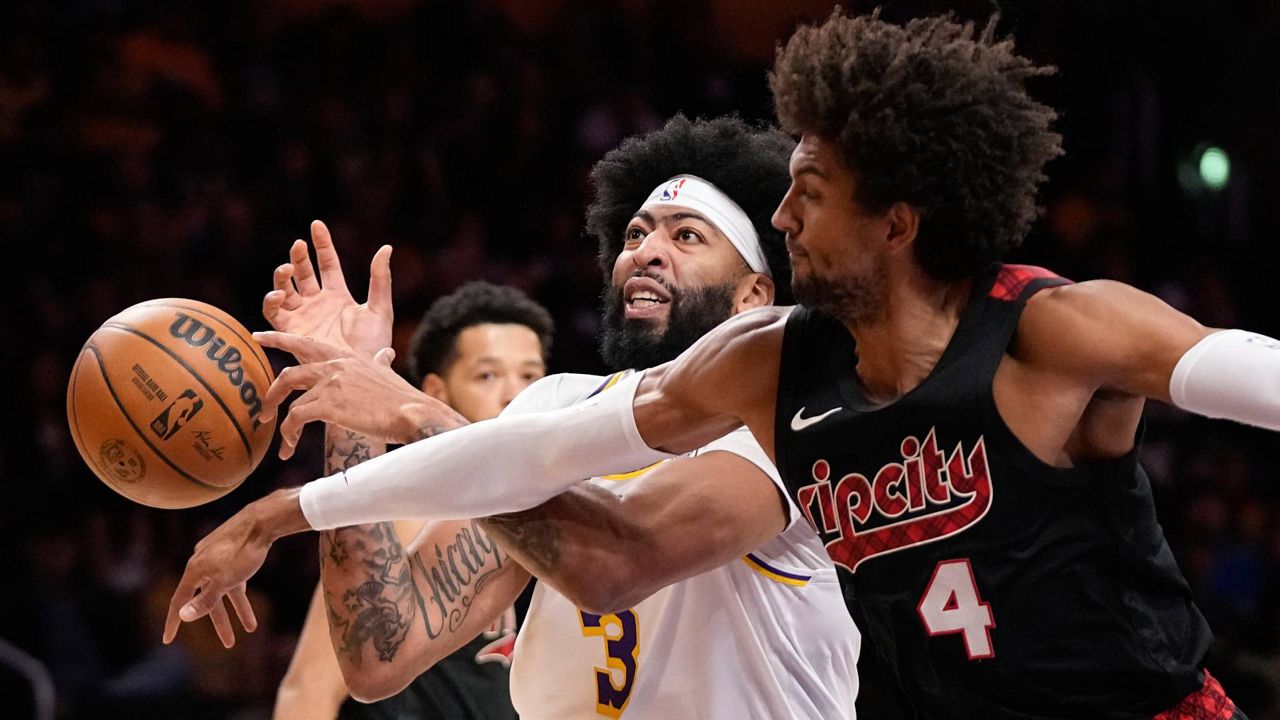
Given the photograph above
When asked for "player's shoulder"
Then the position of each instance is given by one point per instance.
(558, 391)
(1067, 324)
(1078, 307)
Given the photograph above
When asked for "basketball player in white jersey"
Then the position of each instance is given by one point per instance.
(751, 631)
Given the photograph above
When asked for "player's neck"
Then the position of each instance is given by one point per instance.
(900, 347)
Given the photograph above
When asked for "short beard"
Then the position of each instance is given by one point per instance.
(852, 301)
(634, 343)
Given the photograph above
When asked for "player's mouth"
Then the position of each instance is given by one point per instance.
(644, 298)
(794, 249)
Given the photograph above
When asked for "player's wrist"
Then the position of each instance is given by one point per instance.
(277, 515)
(425, 417)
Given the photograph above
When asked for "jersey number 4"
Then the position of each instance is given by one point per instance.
(951, 605)
(621, 633)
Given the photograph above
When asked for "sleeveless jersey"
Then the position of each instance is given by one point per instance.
(987, 584)
(473, 683)
(765, 637)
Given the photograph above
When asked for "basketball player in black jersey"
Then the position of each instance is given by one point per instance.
(962, 433)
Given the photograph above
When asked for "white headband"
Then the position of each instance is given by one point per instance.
(701, 196)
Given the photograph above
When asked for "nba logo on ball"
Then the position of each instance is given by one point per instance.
(672, 189)
(171, 419)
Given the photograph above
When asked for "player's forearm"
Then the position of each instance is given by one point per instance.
(394, 613)
(501, 465)
(583, 544)
(312, 688)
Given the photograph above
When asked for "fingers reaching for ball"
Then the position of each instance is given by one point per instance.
(360, 393)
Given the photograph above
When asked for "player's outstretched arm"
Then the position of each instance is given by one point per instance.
(393, 611)
(1110, 337)
(607, 551)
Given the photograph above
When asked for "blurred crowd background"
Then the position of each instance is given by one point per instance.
(154, 149)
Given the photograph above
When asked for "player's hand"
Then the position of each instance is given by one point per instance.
(321, 307)
(345, 389)
(225, 560)
(222, 563)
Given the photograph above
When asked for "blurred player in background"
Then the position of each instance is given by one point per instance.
(474, 350)
(754, 625)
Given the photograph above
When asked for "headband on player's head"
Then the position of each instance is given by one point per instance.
(701, 196)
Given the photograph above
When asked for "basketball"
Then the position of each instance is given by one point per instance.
(163, 403)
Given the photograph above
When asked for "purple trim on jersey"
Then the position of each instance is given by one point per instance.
(789, 575)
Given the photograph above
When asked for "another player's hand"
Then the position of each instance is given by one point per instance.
(222, 563)
(225, 560)
(321, 307)
(345, 389)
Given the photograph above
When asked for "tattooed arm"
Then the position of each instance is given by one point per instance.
(393, 611)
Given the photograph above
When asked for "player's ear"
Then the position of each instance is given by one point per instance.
(752, 291)
(434, 386)
(903, 225)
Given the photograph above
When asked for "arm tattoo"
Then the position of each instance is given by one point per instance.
(534, 537)
(382, 589)
(344, 450)
(380, 600)
(378, 609)
(450, 584)
(431, 428)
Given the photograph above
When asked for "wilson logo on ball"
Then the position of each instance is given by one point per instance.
(226, 356)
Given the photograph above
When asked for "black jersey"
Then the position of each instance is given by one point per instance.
(987, 584)
(473, 683)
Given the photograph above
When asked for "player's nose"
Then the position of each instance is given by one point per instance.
(784, 217)
(653, 251)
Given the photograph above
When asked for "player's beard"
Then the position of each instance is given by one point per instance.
(852, 300)
(636, 344)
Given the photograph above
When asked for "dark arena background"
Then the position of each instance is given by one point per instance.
(156, 149)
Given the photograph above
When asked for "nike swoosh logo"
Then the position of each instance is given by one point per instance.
(799, 423)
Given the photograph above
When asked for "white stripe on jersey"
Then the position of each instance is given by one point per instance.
(767, 637)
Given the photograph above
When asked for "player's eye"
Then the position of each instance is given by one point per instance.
(689, 235)
(634, 234)
(486, 376)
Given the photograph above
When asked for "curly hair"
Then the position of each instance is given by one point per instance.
(747, 163)
(434, 345)
(933, 114)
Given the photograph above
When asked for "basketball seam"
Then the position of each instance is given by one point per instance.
(249, 341)
(248, 449)
(111, 389)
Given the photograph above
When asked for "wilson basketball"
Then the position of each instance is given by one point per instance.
(163, 403)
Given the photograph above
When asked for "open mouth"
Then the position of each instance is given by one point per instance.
(644, 297)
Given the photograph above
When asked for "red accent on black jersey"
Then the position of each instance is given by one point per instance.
(1011, 280)
(1208, 703)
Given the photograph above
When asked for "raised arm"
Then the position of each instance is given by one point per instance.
(606, 551)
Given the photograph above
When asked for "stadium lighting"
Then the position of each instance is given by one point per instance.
(1215, 168)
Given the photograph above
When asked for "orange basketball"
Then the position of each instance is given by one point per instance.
(163, 403)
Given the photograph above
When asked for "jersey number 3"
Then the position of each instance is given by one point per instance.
(951, 605)
(621, 633)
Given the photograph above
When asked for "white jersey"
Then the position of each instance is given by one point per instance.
(767, 636)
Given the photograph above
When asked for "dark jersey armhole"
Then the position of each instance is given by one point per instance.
(792, 340)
